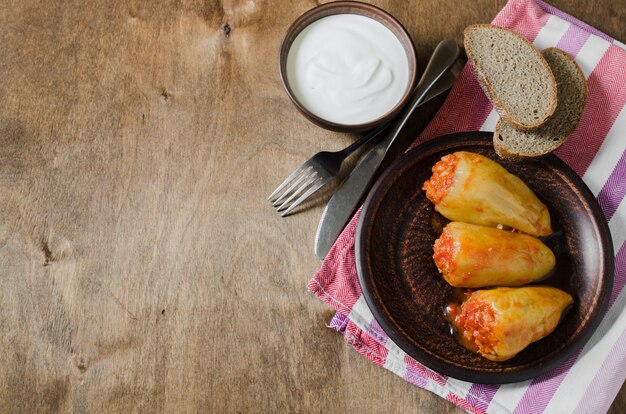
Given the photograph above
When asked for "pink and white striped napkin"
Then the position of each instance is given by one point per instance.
(590, 379)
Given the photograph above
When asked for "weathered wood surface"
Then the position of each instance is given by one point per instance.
(141, 269)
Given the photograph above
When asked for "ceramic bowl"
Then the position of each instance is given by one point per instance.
(348, 7)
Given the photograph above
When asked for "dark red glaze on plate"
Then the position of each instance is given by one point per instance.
(408, 296)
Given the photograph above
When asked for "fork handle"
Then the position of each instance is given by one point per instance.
(364, 140)
(442, 59)
(444, 56)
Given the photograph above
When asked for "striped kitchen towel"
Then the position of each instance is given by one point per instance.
(590, 379)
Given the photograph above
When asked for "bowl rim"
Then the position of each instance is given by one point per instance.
(365, 10)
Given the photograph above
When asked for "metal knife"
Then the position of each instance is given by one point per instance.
(437, 78)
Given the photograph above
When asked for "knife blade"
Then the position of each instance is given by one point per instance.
(345, 200)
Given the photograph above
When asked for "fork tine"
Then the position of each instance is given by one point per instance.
(304, 196)
(289, 179)
(308, 172)
(310, 180)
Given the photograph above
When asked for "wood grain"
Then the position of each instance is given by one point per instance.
(141, 269)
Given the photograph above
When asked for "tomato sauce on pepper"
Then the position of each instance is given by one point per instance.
(443, 176)
(475, 321)
(444, 253)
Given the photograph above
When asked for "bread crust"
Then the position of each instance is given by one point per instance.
(488, 88)
(503, 152)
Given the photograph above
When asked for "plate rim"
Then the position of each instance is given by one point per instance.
(483, 377)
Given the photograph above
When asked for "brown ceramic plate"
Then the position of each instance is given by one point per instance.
(407, 296)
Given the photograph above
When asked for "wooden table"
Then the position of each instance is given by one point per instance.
(141, 269)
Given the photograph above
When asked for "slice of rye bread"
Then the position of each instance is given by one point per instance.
(572, 96)
(515, 77)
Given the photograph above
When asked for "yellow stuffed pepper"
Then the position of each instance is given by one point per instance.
(499, 323)
(474, 256)
(474, 189)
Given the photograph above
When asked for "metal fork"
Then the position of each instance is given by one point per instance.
(315, 173)
(324, 166)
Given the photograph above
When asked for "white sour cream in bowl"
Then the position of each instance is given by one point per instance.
(348, 69)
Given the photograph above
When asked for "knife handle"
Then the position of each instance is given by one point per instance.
(442, 59)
